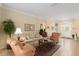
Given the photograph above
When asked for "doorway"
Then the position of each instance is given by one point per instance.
(66, 29)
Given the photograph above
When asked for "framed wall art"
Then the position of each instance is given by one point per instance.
(29, 27)
(32, 27)
(26, 27)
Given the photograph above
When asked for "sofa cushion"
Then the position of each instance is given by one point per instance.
(27, 37)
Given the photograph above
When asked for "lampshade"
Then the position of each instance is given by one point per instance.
(18, 31)
(42, 26)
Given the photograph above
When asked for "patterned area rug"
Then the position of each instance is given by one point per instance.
(46, 49)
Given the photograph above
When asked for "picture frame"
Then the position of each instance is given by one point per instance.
(32, 27)
(26, 27)
(29, 27)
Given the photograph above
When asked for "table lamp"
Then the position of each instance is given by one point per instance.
(18, 32)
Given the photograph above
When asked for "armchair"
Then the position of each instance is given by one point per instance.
(21, 49)
(55, 37)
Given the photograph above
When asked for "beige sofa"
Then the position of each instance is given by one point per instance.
(21, 48)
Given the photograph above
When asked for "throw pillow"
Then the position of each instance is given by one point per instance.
(27, 37)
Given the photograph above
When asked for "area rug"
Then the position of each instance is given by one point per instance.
(46, 49)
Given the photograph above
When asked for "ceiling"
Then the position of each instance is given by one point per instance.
(48, 10)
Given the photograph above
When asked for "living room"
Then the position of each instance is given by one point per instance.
(37, 15)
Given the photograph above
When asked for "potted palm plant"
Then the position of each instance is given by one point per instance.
(8, 27)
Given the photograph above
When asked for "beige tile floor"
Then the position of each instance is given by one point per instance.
(69, 47)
